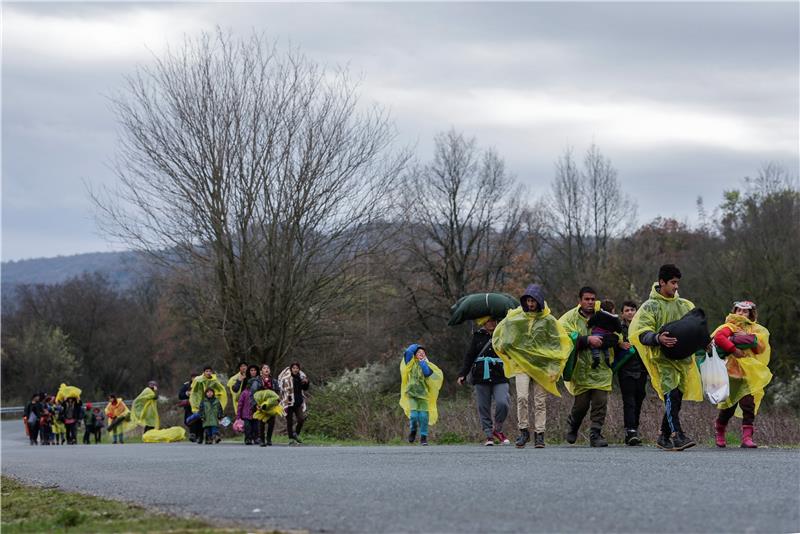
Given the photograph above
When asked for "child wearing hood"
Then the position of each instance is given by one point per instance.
(606, 325)
(419, 391)
(211, 413)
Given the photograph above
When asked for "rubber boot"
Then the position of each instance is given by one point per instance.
(596, 439)
(719, 433)
(747, 437)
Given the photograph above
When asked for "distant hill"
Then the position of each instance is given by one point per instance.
(123, 269)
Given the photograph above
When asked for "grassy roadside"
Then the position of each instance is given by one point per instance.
(35, 509)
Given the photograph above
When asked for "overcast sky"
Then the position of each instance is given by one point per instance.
(686, 99)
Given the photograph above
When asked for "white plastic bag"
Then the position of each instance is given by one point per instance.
(714, 375)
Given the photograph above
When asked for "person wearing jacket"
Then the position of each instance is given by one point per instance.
(195, 427)
(246, 406)
(675, 381)
(747, 345)
(31, 416)
(534, 348)
(116, 414)
(420, 381)
(265, 381)
(489, 381)
(211, 414)
(632, 377)
(88, 423)
(589, 383)
(71, 414)
(294, 384)
(236, 383)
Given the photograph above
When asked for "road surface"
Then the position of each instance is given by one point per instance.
(468, 488)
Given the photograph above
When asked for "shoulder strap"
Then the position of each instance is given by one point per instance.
(488, 344)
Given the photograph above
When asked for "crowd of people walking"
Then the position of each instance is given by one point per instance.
(585, 347)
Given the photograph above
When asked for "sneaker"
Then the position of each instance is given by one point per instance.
(488, 443)
(501, 438)
(423, 440)
(681, 441)
(665, 442)
(523, 438)
(596, 439)
(412, 436)
(538, 440)
(632, 438)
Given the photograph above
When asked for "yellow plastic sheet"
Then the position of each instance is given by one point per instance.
(534, 343)
(432, 384)
(144, 410)
(66, 392)
(665, 374)
(268, 404)
(584, 378)
(165, 435)
(199, 386)
(234, 394)
(751, 374)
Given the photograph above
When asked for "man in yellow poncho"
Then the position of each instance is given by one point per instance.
(747, 344)
(201, 383)
(144, 410)
(420, 381)
(236, 383)
(532, 345)
(118, 417)
(589, 384)
(673, 380)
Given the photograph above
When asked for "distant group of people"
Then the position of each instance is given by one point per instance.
(585, 347)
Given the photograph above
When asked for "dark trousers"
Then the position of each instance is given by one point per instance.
(595, 399)
(146, 428)
(196, 429)
(295, 412)
(97, 435)
(269, 426)
(72, 432)
(633, 393)
(672, 409)
(250, 429)
(211, 433)
(33, 432)
(748, 406)
(483, 396)
(88, 431)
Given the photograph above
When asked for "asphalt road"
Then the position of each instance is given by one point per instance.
(433, 489)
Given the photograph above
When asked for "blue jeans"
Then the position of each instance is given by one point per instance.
(419, 420)
(211, 433)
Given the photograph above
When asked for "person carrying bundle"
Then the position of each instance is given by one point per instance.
(675, 380)
(746, 344)
(117, 414)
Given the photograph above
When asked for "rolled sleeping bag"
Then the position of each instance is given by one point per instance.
(477, 305)
(691, 331)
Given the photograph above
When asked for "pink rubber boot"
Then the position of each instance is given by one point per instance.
(747, 437)
(719, 434)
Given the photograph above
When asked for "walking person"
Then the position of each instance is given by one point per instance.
(71, 414)
(246, 406)
(420, 381)
(88, 423)
(31, 417)
(236, 383)
(265, 382)
(534, 349)
(196, 426)
(144, 409)
(294, 384)
(117, 414)
(632, 376)
(673, 380)
(590, 382)
(746, 344)
(489, 381)
(211, 414)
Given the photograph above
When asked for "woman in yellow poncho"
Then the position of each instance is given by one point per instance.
(144, 410)
(237, 383)
(673, 380)
(419, 389)
(201, 383)
(534, 346)
(747, 344)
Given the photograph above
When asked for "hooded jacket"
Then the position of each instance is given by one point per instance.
(489, 360)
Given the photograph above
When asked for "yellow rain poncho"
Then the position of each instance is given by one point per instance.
(121, 412)
(665, 374)
(751, 374)
(66, 392)
(144, 410)
(165, 435)
(584, 378)
(533, 343)
(418, 390)
(199, 386)
(234, 394)
(268, 404)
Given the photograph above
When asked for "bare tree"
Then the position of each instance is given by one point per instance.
(462, 224)
(259, 176)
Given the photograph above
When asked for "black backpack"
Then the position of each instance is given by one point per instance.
(691, 331)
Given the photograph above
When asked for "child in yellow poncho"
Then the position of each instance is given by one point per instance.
(419, 390)
(747, 344)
